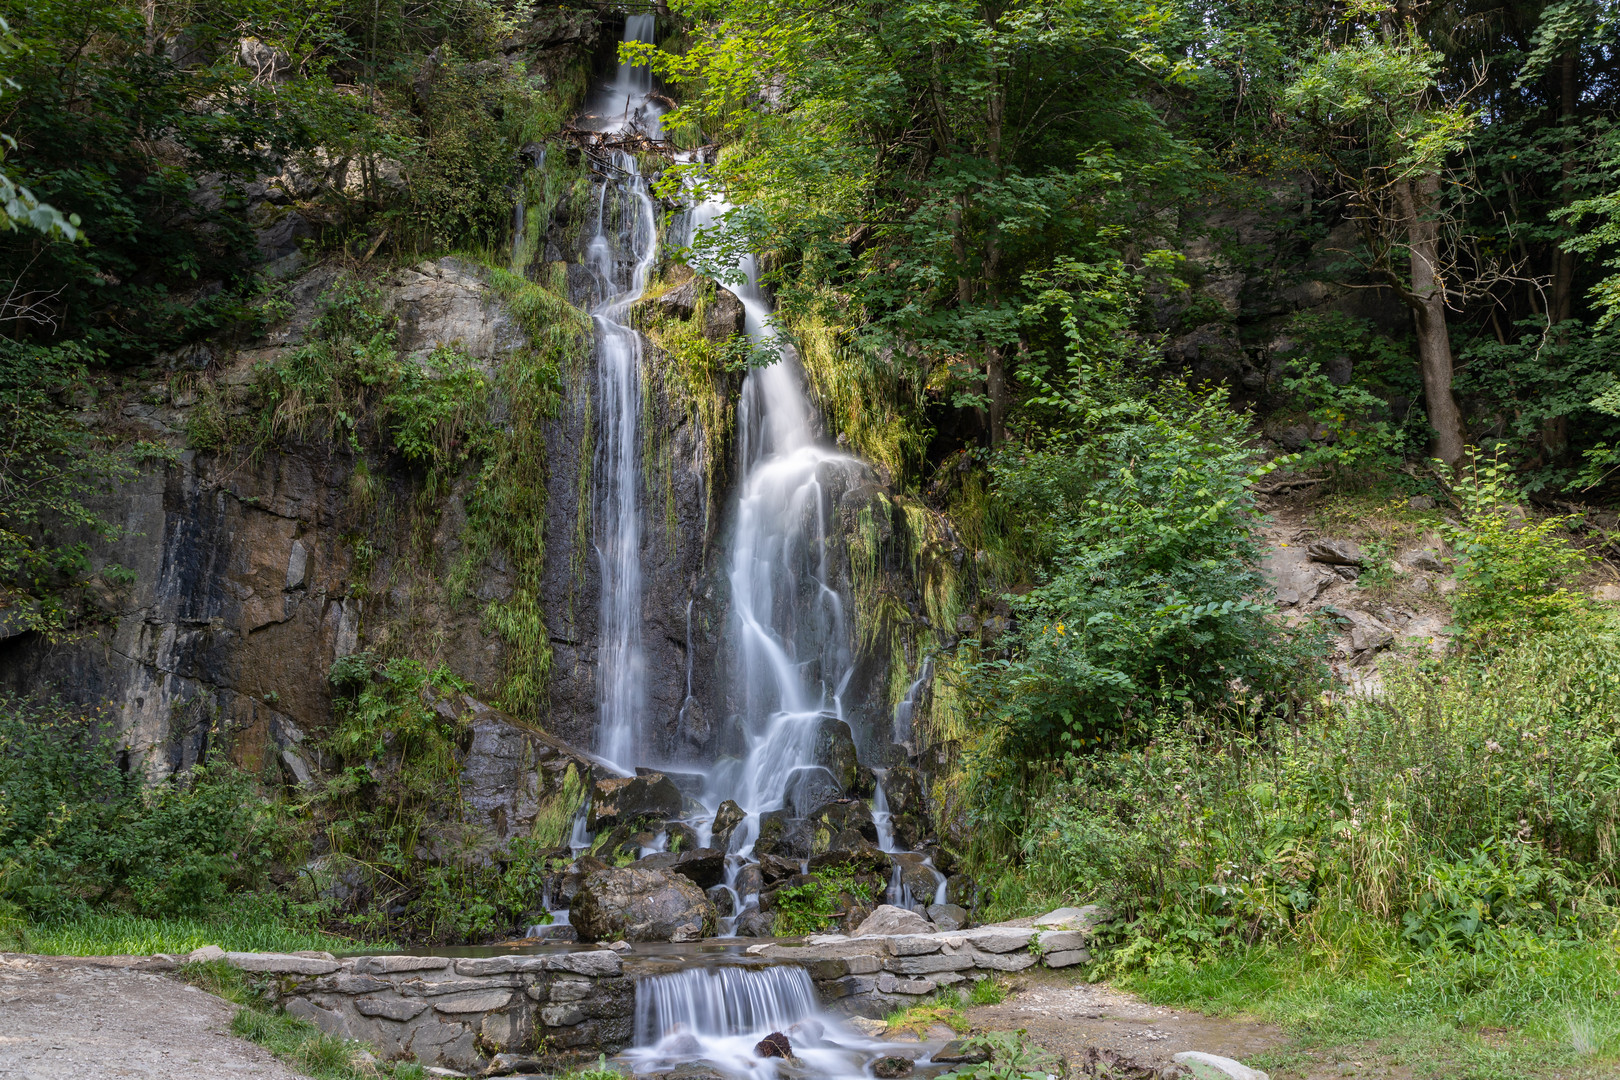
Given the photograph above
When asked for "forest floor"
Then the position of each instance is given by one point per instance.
(69, 1018)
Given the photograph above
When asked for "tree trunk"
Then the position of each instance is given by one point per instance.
(1434, 337)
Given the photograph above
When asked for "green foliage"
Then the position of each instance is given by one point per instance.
(1468, 789)
(251, 922)
(52, 465)
(1013, 1056)
(1513, 572)
(81, 832)
(601, 1070)
(988, 991)
(1357, 432)
(400, 860)
(814, 905)
(1139, 508)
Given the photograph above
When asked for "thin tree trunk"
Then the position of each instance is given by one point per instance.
(1434, 337)
(1555, 429)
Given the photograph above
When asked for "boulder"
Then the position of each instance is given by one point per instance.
(809, 787)
(892, 1068)
(720, 897)
(1204, 1066)
(705, 866)
(783, 836)
(680, 837)
(724, 316)
(888, 921)
(620, 800)
(641, 905)
(1073, 918)
(726, 818)
(1335, 552)
(947, 916)
(749, 879)
(1424, 558)
(834, 750)
(774, 1045)
(961, 1052)
(756, 923)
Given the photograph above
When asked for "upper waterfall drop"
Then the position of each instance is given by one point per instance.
(620, 256)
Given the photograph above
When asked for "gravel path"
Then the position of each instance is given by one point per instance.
(71, 1019)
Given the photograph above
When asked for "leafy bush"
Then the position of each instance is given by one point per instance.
(1512, 571)
(1012, 1057)
(81, 831)
(1361, 432)
(1139, 509)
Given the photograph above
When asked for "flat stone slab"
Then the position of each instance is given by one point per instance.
(1068, 958)
(392, 965)
(281, 963)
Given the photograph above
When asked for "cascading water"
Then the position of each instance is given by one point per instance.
(718, 1014)
(620, 255)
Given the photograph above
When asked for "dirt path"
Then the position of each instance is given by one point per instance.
(66, 1019)
(1066, 1015)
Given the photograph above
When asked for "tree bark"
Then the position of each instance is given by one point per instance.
(1417, 198)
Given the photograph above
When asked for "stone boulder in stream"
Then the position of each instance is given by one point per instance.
(634, 904)
(890, 921)
(621, 800)
(834, 751)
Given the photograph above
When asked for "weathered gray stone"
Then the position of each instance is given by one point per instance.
(914, 945)
(569, 990)
(961, 1052)
(205, 954)
(1067, 959)
(1062, 940)
(619, 800)
(281, 963)
(888, 984)
(1073, 918)
(864, 965)
(344, 983)
(598, 962)
(888, 920)
(999, 939)
(328, 1020)
(441, 987)
(479, 1001)
(400, 1009)
(390, 965)
(562, 1015)
(1334, 552)
(1011, 961)
(489, 965)
(924, 965)
(948, 916)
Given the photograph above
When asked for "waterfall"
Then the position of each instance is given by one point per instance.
(620, 256)
(718, 1014)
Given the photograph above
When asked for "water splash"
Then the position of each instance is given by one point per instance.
(718, 1014)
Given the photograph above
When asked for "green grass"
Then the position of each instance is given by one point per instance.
(991, 991)
(114, 935)
(297, 1042)
(1553, 1011)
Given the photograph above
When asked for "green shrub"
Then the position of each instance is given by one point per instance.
(1513, 572)
(81, 831)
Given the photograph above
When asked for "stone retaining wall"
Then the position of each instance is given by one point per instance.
(559, 1008)
(869, 976)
